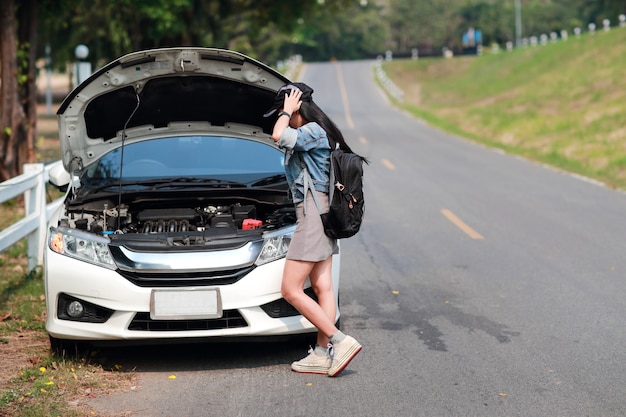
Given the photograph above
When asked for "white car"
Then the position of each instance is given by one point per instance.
(177, 216)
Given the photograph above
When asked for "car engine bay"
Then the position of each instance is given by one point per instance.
(183, 224)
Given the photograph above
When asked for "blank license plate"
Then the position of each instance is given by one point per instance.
(185, 304)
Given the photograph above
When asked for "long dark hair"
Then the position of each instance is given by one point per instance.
(313, 113)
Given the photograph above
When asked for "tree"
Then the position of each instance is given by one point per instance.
(112, 28)
(27, 13)
(428, 25)
(17, 89)
(267, 30)
(115, 27)
(352, 31)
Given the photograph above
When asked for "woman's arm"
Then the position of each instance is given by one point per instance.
(291, 105)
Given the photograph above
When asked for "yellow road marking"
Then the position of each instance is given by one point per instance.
(461, 225)
(344, 97)
(389, 165)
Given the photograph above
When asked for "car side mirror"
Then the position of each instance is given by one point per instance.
(59, 178)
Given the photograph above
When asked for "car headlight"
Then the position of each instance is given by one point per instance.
(82, 246)
(275, 246)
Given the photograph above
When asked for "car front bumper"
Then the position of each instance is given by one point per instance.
(105, 288)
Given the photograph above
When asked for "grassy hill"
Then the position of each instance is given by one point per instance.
(563, 104)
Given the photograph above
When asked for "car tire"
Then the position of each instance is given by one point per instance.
(64, 348)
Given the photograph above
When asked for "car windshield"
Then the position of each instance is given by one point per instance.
(192, 157)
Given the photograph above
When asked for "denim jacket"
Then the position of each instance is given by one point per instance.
(307, 145)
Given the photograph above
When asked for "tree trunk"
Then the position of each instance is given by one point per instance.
(27, 17)
(12, 117)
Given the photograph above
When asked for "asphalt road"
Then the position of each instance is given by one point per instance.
(480, 285)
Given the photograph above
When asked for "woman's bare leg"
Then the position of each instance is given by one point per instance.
(322, 282)
(294, 276)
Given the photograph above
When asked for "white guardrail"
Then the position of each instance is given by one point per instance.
(32, 183)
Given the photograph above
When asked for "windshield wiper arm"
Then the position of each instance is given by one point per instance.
(111, 184)
(157, 183)
(184, 181)
(272, 179)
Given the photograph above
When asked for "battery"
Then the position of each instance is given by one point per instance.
(251, 224)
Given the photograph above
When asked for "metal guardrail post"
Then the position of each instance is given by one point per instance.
(391, 89)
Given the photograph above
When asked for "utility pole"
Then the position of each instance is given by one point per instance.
(518, 23)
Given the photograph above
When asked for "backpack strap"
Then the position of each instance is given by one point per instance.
(331, 178)
(308, 185)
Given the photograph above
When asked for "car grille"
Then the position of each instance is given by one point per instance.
(230, 319)
(176, 279)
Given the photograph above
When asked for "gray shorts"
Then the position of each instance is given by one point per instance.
(309, 243)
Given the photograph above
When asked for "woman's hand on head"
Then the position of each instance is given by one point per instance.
(292, 101)
(291, 105)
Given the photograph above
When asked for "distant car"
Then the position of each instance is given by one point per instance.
(177, 216)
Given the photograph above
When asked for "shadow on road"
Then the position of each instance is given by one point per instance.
(199, 356)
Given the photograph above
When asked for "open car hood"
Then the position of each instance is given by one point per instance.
(169, 91)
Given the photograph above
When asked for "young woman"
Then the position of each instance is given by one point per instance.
(307, 135)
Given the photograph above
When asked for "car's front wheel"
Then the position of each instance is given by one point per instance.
(63, 347)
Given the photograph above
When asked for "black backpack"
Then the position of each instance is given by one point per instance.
(345, 196)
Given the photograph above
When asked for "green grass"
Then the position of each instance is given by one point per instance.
(21, 296)
(563, 104)
(45, 388)
(43, 385)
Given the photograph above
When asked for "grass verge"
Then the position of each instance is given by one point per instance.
(562, 104)
(35, 381)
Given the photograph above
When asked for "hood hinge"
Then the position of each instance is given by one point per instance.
(75, 166)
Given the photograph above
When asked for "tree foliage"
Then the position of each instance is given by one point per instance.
(317, 29)
(432, 24)
(348, 31)
(112, 28)
(268, 30)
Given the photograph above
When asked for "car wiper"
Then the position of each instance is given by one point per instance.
(186, 181)
(157, 183)
(109, 184)
(272, 179)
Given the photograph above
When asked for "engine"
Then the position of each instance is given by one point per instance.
(98, 218)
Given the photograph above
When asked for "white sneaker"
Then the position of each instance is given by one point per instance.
(343, 353)
(312, 364)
